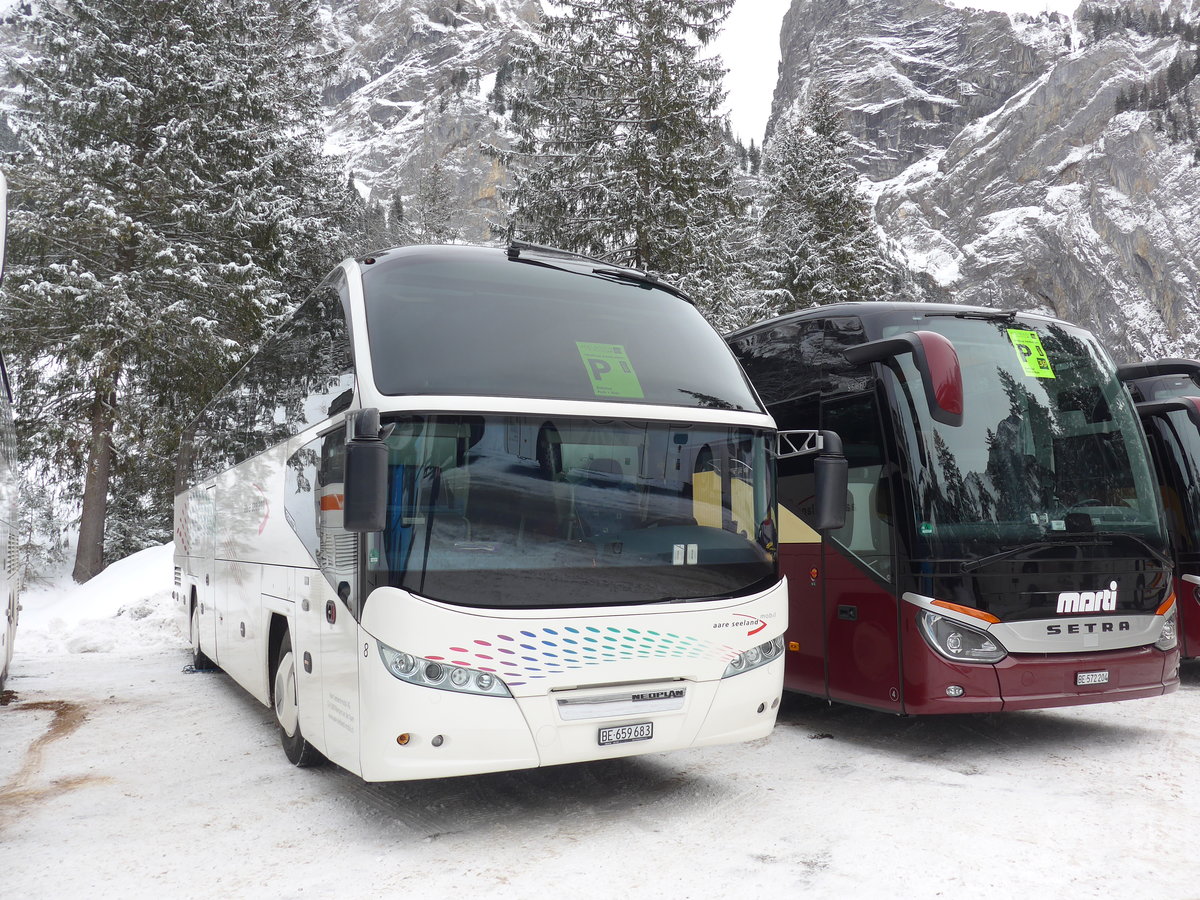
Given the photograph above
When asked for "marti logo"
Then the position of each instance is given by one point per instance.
(1088, 601)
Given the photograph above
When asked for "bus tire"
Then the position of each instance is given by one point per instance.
(299, 752)
(200, 662)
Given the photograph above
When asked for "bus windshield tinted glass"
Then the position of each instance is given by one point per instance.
(1049, 447)
(505, 511)
(468, 321)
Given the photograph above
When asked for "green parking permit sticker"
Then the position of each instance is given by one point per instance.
(1031, 353)
(610, 370)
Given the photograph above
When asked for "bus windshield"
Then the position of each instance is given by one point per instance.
(470, 322)
(512, 511)
(1049, 448)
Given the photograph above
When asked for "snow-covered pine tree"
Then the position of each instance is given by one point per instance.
(819, 242)
(621, 152)
(172, 199)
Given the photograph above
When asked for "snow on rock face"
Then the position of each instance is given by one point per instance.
(911, 72)
(411, 92)
(1048, 200)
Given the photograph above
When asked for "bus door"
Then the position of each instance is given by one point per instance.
(801, 560)
(861, 614)
(205, 521)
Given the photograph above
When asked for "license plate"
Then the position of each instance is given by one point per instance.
(624, 734)
(1082, 678)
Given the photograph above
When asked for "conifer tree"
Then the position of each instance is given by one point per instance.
(621, 152)
(171, 200)
(819, 243)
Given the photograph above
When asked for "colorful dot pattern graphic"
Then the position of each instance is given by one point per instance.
(525, 656)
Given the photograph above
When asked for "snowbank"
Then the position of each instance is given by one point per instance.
(126, 608)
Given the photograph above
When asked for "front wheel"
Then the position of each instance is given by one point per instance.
(287, 710)
(200, 661)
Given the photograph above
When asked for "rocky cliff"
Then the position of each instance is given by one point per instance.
(1069, 185)
(416, 86)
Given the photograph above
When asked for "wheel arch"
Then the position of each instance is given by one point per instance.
(275, 632)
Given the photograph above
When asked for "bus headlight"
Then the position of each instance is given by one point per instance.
(440, 676)
(755, 657)
(958, 642)
(1169, 638)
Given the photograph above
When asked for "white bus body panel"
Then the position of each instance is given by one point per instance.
(659, 647)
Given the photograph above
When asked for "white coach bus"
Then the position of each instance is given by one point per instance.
(475, 509)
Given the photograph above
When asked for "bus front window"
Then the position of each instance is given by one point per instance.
(1046, 450)
(518, 511)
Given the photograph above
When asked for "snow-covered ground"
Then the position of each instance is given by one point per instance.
(122, 775)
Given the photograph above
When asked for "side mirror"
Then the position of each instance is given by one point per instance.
(365, 486)
(830, 470)
(936, 360)
(832, 479)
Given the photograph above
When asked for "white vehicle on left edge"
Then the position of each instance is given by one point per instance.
(475, 509)
(11, 569)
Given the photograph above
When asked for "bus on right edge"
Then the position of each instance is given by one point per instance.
(1004, 545)
(1167, 393)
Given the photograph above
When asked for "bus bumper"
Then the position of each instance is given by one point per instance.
(435, 734)
(1039, 681)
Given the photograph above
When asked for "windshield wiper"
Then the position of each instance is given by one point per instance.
(1067, 540)
(990, 315)
(646, 279)
(629, 276)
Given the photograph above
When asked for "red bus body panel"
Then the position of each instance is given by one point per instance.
(869, 664)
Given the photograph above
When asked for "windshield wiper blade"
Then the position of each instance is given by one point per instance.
(990, 315)
(629, 276)
(646, 279)
(1067, 540)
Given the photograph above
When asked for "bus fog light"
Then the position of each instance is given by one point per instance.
(958, 642)
(954, 690)
(434, 673)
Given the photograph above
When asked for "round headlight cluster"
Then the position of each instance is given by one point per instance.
(756, 656)
(442, 676)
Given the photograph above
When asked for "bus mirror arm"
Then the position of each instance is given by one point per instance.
(1158, 368)
(937, 362)
(1189, 405)
(364, 507)
(832, 476)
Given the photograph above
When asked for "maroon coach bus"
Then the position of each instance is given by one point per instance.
(1167, 393)
(1004, 546)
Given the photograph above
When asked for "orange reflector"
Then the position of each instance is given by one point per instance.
(333, 502)
(402, 739)
(794, 646)
(1166, 607)
(967, 611)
